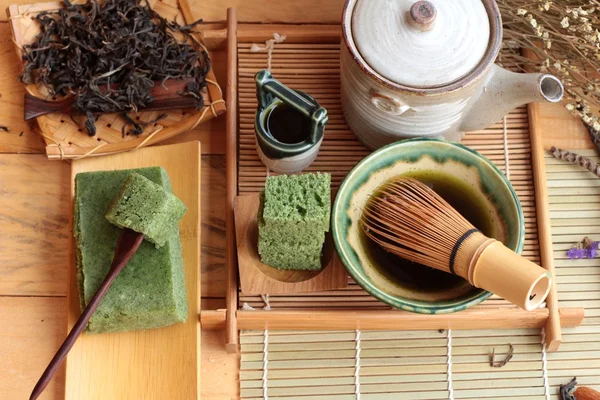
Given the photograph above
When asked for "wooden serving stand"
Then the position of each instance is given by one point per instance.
(308, 60)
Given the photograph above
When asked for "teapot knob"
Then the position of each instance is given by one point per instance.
(422, 15)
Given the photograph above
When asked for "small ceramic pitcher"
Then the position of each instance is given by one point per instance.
(289, 126)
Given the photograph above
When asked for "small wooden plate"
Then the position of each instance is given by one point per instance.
(259, 278)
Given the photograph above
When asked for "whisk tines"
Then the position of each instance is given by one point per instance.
(409, 219)
(405, 216)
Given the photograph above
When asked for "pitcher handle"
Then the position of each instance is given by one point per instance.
(267, 87)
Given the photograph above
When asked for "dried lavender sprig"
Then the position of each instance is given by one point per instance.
(595, 136)
(576, 159)
(584, 249)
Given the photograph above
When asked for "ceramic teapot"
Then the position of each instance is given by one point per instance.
(426, 69)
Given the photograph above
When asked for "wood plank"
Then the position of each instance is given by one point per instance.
(171, 354)
(31, 330)
(561, 129)
(220, 369)
(316, 34)
(34, 225)
(307, 11)
(21, 138)
(231, 267)
(213, 226)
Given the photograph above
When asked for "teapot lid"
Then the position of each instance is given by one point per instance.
(421, 44)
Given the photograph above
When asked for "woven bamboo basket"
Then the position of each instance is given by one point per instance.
(66, 138)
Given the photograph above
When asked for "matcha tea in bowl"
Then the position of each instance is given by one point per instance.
(468, 182)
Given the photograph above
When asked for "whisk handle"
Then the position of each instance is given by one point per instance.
(507, 274)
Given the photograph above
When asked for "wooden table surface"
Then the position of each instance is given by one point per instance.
(34, 217)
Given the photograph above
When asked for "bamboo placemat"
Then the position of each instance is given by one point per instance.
(428, 365)
(574, 197)
(314, 69)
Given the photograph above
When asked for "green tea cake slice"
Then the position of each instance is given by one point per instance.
(146, 207)
(296, 256)
(150, 291)
(292, 231)
(293, 217)
(298, 201)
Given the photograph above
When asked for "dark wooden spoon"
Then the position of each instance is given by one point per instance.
(166, 97)
(128, 243)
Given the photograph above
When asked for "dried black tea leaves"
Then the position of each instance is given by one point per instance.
(138, 126)
(110, 54)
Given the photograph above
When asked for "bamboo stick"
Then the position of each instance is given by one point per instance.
(213, 319)
(468, 319)
(231, 177)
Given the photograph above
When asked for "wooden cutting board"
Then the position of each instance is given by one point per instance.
(152, 364)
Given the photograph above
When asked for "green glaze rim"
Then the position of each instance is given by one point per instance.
(383, 158)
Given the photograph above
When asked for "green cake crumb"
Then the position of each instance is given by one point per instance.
(146, 207)
(293, 216)
(150, 291)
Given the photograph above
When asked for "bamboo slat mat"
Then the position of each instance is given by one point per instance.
(314, 69)
(426, 365)
(574, 197)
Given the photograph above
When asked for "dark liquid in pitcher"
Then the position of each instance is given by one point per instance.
(287, 125)
(414, 275)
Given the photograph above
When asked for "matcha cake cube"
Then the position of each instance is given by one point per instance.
(298, 201)
(146, 207)
(293, 231)
(296, 256)
(293, 216)
(150, 291)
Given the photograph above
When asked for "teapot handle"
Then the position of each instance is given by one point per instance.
(267, 87)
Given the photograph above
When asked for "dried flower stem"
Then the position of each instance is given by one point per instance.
(564, 39)
(595, 136)
(566, 391)
(502, 363)
(576, 159)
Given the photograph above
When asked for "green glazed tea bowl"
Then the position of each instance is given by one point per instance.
(467, 180)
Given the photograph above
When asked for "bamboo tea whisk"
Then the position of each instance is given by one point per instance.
(407, 218)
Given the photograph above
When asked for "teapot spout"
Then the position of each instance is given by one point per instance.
(505, 90)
